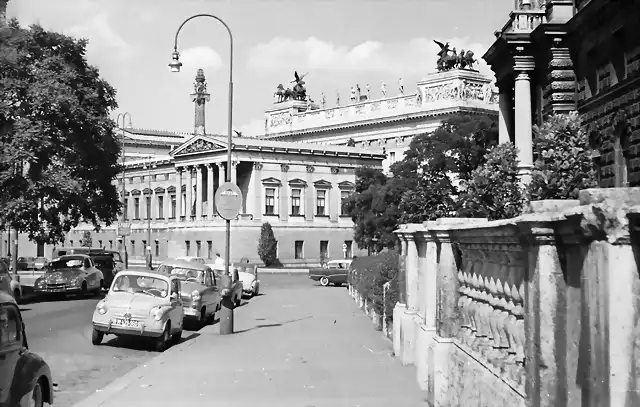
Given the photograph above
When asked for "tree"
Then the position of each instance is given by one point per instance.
(87, 240)
(268, 245)
(59, 154)
(494, 191)
(563, 164)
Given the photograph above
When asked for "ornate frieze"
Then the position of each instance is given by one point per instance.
(310, 168)
(280, 119)
(461, 89)
(199, 146)
(335, 170)
(284, 167)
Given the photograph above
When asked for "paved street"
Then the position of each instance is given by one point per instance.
(60, 331)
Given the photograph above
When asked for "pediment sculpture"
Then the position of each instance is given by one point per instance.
(200, 146)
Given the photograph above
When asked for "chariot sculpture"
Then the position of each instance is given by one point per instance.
(299, 92)
(449, 59)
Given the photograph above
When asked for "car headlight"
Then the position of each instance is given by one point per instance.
(75, 281)
(102, 307)
(157, 313)
(39, 283)
(195, 295)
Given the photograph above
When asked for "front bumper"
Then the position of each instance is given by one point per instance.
(142, 330)
(57, 290)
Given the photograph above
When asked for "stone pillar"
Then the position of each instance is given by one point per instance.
(179, 192)
(234, 172)
(153, 204)
(221, 174)
(523, 117)
(562, 80)
(189, 200)
(505, 115)
(210, 194)
(198, 192)
(256, 200)
(166, 208)
(412, 273)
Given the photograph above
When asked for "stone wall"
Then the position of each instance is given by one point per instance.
(540, 310)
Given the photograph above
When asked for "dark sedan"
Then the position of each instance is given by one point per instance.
(334, 272)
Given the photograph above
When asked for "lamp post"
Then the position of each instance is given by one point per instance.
(149, 257)
(226, 313)
(124, 209)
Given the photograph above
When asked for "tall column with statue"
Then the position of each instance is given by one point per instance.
(200, 97)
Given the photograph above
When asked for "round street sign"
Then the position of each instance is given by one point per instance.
(228, 201)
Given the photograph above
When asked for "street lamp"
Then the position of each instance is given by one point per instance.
(149, 257)
(124, 209)
(226, 313)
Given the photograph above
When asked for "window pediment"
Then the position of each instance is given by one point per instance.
(159, 190)
(271, 182)
(298, 183)
(135, 192)
(171, 189)
(347, 185)
(322, 184)
(147, 191)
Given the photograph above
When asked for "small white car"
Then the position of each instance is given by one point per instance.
(141, 303)
(194, 259)
(248, 274)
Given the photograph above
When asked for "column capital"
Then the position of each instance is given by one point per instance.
(220, 164)
(523, 63)
(179, 169)
(198, 168)
(210, 166)
(235, 163)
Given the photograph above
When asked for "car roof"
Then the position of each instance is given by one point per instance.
(84, 256)
(186, 264)
(7, 298)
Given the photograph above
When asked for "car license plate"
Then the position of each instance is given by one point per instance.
(128, 323)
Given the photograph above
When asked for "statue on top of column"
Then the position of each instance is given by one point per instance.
(200, 97)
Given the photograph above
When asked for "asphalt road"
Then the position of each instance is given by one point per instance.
(60, 332)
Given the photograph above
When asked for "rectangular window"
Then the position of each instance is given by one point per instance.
(111, 244)
(320, 202)
(347, 251)
(324, 249)
(142, 178)
(100, 244)
(392, 157)
(157, 248)
(344, 195)
(136, 208)
(187, 245)
(270, 201)
(198, 248)
(173, 206)
(299, 249)
(160, 207)
(154, 177)
(148, 199)
(125, 209)
(133, 248)
(130, 180)
(209, 249)
(144, 247)
(295, 201)
(70, 244)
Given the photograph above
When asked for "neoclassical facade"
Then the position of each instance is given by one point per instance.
(558, 56)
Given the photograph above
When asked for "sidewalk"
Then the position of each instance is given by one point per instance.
(304, 347)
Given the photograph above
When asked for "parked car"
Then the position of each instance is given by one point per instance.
(117, 259)
(25, 378)
(334, 272)
(199, 260)
(107, 265)
(248, 274)
(5, 278)
(236, 284)
(40, 263)
(15, 287)
(199, 292)
(70, 274)
(26, 263)
(141, 303)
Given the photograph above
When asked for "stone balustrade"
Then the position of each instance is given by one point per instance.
(539, 310)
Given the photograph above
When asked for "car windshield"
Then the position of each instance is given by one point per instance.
(131, 283)
(183, 273)
(66, 263)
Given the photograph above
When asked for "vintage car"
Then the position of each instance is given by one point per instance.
(141, 303)
(40, 263)
(107, 265)
(334, 272)
(93, 252)
(248, 274)
(25, 378)
(237, 287)
(70, 274)
(193, 259)
(199, 292)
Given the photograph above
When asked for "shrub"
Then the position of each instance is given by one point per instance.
(494, 190)
(369, 275)
(87, 240)
(268, 245)
(563, 164)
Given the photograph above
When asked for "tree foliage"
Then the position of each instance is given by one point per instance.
(494, 190)
(563, 164)
(59, 153)
(268, 245)
(87, 240)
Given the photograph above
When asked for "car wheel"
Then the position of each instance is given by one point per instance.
(324, 281)
(96, 337)
(162, 341)
(83, 289)
(17, 296)
(176, 337)
(99, 289)
(203, 318)
(36, 399)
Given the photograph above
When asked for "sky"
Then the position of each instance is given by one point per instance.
(339, 43)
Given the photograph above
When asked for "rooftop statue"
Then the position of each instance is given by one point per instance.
(299, 92)
(449, 59)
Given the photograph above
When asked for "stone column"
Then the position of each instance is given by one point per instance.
(505, 114)
(199, 192)
(153, 204)
(234, 172)
(178, 193)
(523, 116)
(412, 273)
(166, 208)
(189, 200)
(210, 194)
(258, 189)
(562, 79)
(221, 174)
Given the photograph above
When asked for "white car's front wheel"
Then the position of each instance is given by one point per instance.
(324, 281)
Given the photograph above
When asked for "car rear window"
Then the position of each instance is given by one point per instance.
(103, 262)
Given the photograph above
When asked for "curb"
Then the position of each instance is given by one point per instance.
(107, 393)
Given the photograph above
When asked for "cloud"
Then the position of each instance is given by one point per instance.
(416, 56)
(252, 128)
(100, 34)
(201, 57)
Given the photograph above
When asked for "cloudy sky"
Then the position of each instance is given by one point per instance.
(339, 42)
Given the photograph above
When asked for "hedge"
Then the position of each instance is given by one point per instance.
(369, 274)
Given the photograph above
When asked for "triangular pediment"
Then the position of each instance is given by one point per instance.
(135, 192)
(322, 184)
(196, 145)
(297, 182)
(171, 189)
(271, 181)
(346, 185)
